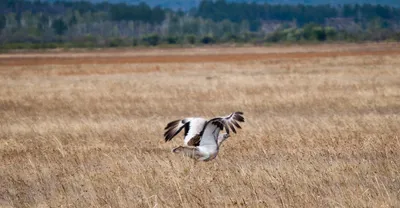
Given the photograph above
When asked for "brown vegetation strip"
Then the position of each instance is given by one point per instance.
(21, 61)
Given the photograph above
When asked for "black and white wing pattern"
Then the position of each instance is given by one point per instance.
(210, 134)
(231, 121)
(192, 126)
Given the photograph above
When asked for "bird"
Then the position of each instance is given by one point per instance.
(194, 125)
(202, 137)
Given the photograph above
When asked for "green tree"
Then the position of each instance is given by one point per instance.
(255, 25)
(291, 34)
(3, 22)
(72, 21)
(115, 42)
(140, 12)
(59, 26)
(157, 15)
(316, 32)
(330, 33)
(43, 22)
(191, 26)
(191, 39)
(319, 33)
(208, 39)
(396, 36)
(18, 18)
(172, 39)
(151, 40)
(311, 31)
(135, 42)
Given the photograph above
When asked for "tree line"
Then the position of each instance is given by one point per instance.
(302, 14)
(42, 24)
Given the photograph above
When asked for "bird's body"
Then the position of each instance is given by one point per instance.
(202, 139)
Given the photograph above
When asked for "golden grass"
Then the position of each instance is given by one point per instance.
(319, 132)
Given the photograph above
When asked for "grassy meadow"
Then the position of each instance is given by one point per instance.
(85, 129)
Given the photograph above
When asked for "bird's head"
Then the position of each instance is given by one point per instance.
(222, 138)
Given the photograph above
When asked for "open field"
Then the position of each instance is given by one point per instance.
(85, 129)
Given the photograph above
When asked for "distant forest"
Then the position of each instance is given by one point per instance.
(42, 24)
(188, 4)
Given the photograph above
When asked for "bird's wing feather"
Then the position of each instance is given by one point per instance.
(194, 141)
(192, 126)
(174, 127)
(231, 121)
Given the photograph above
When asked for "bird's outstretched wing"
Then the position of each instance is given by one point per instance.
(192, 126)
(210, 133)
(173, 128)
(231, 121)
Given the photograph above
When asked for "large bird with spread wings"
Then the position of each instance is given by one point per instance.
(202, 139)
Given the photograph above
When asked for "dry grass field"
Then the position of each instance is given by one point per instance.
(84, 129)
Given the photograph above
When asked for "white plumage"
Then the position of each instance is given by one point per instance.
(193, 127)
(202, 139)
